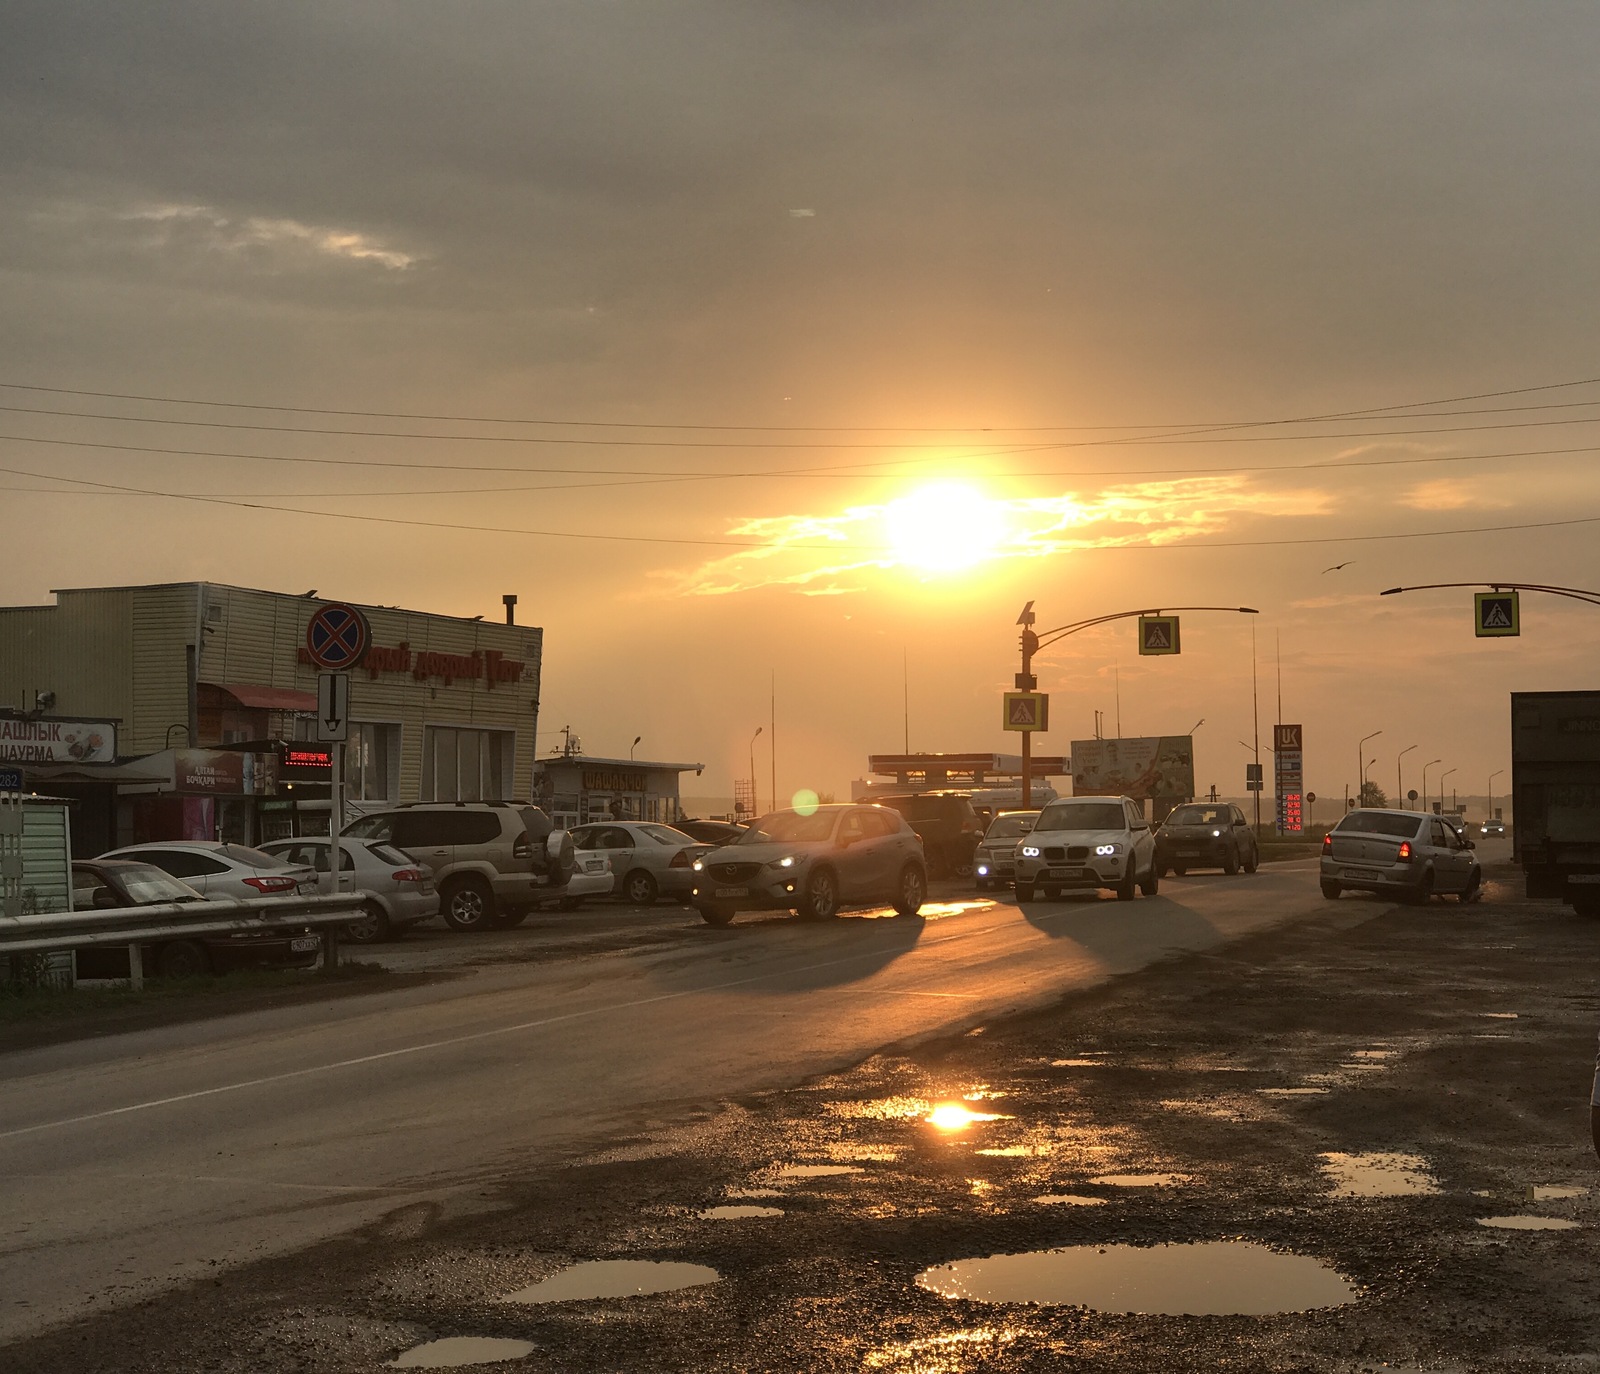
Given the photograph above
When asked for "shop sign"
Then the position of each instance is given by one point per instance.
(489, 666)
(221, 772)
(305, 763)
(57, 741)
(612, 780)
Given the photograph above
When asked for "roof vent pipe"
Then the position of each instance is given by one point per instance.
(510, 600)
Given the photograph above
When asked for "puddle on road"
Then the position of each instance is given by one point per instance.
(1293, 1092)
(1499, 1015)
(454, 1352)
(957, 1116)
(1528, 1223)
(1084, 1063)
(756, 1192)
(1379, 1174)
(882, 1109)
(864, 1154)
(739, 1213)
(816, 1170)
(1211, 1278)
(1140, 1180)
(1375, 1054)
(1554, 1192)
(615, 1279)
(947, 1354)
(1069, 1200)
(1017, 1152)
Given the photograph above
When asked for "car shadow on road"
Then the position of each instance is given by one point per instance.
(1102, 925)
(851, 947)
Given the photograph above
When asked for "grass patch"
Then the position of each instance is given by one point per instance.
(21, 1004)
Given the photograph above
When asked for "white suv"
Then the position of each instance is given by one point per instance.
(1079, 844)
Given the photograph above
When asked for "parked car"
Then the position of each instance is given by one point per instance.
(1082, 843)
(592, 877)
(995, 862)
(1407, 854)
(812, 863)
(1492, 826)
(107, 883)
(948, 826)
(493, 861)
(711, 832)
(215, 868)
(1206, 835)
(399, 892)
(648, 861)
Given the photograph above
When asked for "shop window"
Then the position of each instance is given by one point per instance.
(465, 765)
(371, 762)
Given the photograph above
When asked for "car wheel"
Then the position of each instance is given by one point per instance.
(1254, 861)
(1051, 894)
(983, 885)
(1423, 890)
(962, 868)
(571, 903)
(821, 898)
(639, 889)
(1152, 883)
(1178, 870)
(509, 920)
(1162, 870)
(1024, 892)
(1230, 862)
(912, 892)
(1587, 909)
(183, 959)
(1330, 889)
(372, 928)
(716, 915)
(1472, 889)
(467, 904)
(1126, 886)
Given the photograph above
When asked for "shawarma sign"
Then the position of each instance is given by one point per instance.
(58, 741)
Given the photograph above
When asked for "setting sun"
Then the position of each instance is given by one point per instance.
(943, 528)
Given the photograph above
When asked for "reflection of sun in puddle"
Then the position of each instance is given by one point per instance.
(1379, 1174)
(1140, 1180)
(1215, 1278)
(1016, 1151)
(614, 1279)
(979, 1187)
(957, 1116)
(739, 1213)
(883, 1109)
(1079, 1064)
(1069, 1200)
(1293, 1092)
(455, 1352)
(816, 1170)
(1499, 1015)
(1528, 1223)
(946, 1354)
(864, 1154)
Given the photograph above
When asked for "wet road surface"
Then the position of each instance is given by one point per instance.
(133, 1163)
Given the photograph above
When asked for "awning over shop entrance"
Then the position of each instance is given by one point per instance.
(254, 698)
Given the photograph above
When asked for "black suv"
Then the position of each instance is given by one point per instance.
(494, 861)
(948, 826)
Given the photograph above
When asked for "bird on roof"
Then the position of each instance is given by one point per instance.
(1337, 566)
(309, 594)
(477, 617)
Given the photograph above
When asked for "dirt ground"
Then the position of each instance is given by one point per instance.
(1460, 1036)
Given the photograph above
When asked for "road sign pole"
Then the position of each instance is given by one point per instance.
(1027, 770)
(335, 855)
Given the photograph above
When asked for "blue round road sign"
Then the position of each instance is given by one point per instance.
(338, 637)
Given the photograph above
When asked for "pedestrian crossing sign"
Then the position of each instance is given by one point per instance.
(1027, 711)
(1158, 634)
(1497, 614)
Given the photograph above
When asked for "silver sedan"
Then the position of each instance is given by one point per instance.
(648, 861)
(1408, 854)
(399, 891)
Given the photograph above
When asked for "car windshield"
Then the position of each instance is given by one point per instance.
(1009, 827)
(1378, 823)
(790, 827)
(369, 827)
(1198, 815)
(1083, 816)
(148, 884)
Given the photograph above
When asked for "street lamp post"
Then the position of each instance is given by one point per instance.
(1399, 777)
(1425, 767)
(1361, 763)
(1488, 806)
(754, 809)
(634, 746)
(1447, 772)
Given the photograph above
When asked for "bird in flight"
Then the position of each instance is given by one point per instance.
(1337, 566)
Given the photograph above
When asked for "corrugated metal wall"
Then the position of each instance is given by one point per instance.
(46, 858)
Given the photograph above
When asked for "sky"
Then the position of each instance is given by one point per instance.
(790, 348)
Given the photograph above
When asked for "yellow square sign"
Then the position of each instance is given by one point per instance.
(1158, 634)
(1026, 711)
(1496, 614)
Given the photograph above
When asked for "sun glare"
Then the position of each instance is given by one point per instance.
(943, 528)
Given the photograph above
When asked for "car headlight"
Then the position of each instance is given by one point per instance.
(1216, 834)
(787, 861)
(983, 870)
(1030, 851)
(1104, 849)
(698, 866)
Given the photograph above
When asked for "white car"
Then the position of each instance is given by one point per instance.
(592, 877)
(1079, 844)
(648, 861)
(215, 868)
(399, 892)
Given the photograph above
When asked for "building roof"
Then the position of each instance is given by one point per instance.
(590, 761)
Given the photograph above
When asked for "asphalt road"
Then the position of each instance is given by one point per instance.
(135, 1162)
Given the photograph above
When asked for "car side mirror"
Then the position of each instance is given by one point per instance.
(103, 899)
(1469, 844)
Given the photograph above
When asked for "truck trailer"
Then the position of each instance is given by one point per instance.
(1555, 790)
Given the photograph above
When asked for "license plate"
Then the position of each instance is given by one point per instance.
(1583, 877)
(1362, 873)
(1188, 853)
(1065, 873)
(304, 942)
(733, 892)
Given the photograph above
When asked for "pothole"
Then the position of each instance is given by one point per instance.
(737, 1213)
(615, 1279)
(1528, 1223)
(1379, 1174)
(454, 1352)
(1211, 1278)
(1069, 1200)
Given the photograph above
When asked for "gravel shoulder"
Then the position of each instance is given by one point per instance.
(1460, 1038)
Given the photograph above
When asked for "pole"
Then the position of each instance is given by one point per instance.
(336, 795)
(905, 690)
(1255, 711)
(1400, 780)
(772, 739)
(1116, 678)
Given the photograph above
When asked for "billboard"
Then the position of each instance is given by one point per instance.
(1143, 767)
(1288, 746)
(58, 741)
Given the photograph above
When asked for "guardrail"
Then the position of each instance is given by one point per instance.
(136, 925)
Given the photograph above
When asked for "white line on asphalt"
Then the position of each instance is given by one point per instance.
(456, 1040)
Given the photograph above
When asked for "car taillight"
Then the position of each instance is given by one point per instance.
(1405, 852)
(1327, 843)
(408, 875)
(680, 859)
(523, 847)
(267, 886)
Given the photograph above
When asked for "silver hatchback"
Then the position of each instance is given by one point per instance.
(1407, 854)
